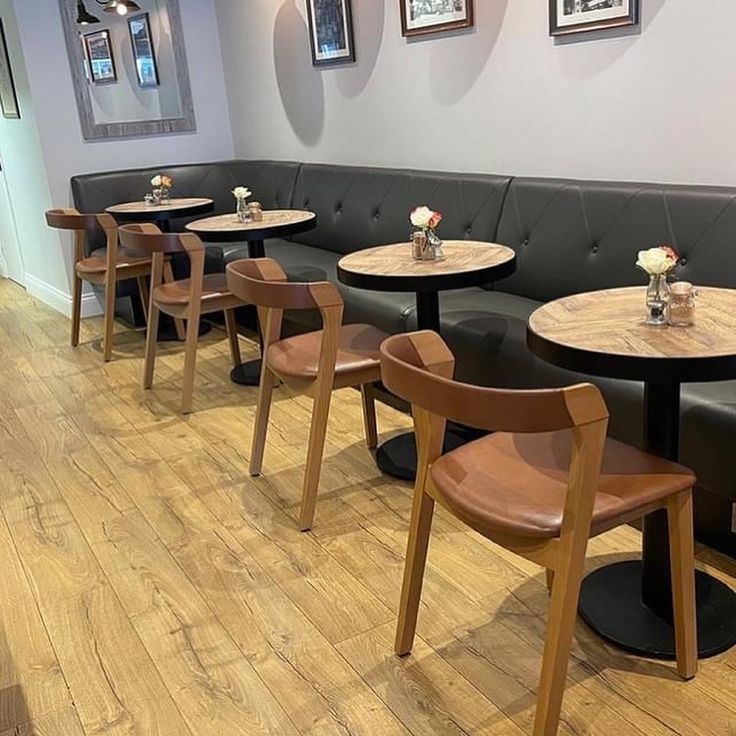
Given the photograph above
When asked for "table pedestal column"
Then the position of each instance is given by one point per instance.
(249, 373)
(398, 456)
(630, 603)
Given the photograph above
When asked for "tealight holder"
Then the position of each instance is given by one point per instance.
(255, 212)
(681, 306)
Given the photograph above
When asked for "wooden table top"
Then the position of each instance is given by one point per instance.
(588, 331)
(461, 256)
(392, 267)
(142, 208)
(271, 219)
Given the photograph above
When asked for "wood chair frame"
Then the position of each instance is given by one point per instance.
(115, 270)
(148, 237)
(262, 282)
(419, 368)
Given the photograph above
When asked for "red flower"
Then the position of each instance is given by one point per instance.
(670, 253)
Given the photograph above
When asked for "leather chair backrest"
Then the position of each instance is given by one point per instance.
(146, 238)
(575, 236)
(358, 207)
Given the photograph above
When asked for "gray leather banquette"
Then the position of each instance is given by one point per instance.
(569, 237)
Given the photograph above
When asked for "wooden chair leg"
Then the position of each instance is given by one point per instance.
(109, 320)
(682, 562)
(317, 432)
(232, 335)
(560, 629)
(76, 309)
(151, 344)
(260, 430)
(178, 323)
(416, 558)
(369, 416)
(190, 363)
(143, 293)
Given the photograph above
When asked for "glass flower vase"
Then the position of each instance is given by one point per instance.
(242, 210)
(658, 296)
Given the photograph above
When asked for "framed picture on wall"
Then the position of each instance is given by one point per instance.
(143, 53)
(331, 31)
(579, 16)
(432, 16)
(100, 58)
(8, 98)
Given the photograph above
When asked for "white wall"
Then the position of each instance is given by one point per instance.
(655, 105)
(63, 149)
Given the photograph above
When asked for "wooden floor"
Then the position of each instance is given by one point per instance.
(149, 586)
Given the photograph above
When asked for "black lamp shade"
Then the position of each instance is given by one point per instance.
(84, 17)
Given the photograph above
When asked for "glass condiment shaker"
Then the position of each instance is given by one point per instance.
(681, 307)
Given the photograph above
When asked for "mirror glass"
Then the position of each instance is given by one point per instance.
(129, 69)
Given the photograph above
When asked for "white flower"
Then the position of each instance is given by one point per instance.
(156, 181)
(657, 261)
(421, 216)
(242, 193)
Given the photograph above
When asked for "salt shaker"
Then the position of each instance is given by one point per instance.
(255, 211)
(681, 307)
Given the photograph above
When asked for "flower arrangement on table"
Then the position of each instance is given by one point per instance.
(246, 212)
(161, 186)
(658, 263)
(426, 245)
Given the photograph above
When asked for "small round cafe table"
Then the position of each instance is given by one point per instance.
(392, 268)
(228, 228)
(160, 213)
(603, 333)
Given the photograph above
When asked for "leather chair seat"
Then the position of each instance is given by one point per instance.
(177, 292)
(358, 352)
(510, 484)
(97, 261)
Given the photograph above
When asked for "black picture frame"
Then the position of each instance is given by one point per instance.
(144, 55)
(8, 95)
(604, 15)
(331, 35)
(100, 57)
(450, 7)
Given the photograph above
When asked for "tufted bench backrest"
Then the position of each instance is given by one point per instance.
(272, 182)
(575, 236)
(358, 207)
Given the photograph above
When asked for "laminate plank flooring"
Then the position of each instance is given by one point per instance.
(151, 586)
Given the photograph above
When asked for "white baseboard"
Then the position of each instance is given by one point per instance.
(3, 267)
(61, 301)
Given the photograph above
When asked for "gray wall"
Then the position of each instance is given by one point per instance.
(658, 105)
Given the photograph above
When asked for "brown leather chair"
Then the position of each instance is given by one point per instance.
(185, 299)
(316, 363)
(546, 481)
(105, 266)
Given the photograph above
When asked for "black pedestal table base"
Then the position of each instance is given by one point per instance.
(247, 374)
(611, 604)
(630, 603)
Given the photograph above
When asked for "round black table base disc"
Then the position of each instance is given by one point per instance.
(610, 603)
(397, 457)
(167, 330)
(247, 374)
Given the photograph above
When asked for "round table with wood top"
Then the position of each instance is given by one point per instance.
(466, 263)
(228, 229)
(603, 333)
(160, 213)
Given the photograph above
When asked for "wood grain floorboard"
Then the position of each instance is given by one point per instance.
(154, 587)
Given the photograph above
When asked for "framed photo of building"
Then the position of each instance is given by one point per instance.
(331, 31)
(100, 58)
(432, 16)
(143, 53)
(8, 97)
(579, 16)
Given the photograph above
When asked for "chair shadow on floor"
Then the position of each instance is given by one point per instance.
(14, 710)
